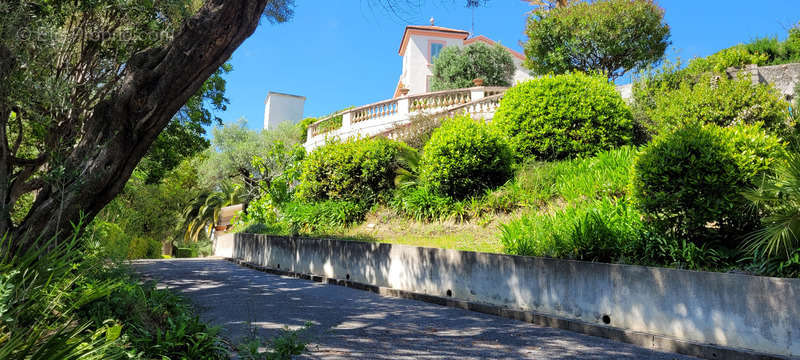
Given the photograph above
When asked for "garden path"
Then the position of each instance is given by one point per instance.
(350, 323)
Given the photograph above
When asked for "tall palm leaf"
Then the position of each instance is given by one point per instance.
(779, 198)
(407, 173)
(203, 213)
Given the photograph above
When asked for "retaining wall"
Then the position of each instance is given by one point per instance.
(731, 310)
(783, 77)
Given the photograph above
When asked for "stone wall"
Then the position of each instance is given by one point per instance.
(730, 310)
(783, 77)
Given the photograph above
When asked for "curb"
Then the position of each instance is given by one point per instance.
(645, 340)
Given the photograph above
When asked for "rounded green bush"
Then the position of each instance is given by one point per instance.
(562, 116)
(359, 170)
(465, 157)
(690, 182)
(715, 99)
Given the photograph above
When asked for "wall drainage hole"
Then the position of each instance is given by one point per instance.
(449, 293)
(606, 319)
(347, 276)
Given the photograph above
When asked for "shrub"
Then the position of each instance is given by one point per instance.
(110, 238)
(690, 182)
(185, 252)
(557, 117)
(358, 170)
(605, 175)
(611, 36)
(761, 51)
(418, 130)
(157, 322)
(717, 100)
(321, 217)
(605, 230)
(143, 248)
(455, 67)
(736, 57)
(465, 157)
(608, 230)
(303, 128)
(779, 199)
(259, 228)
(422, 204)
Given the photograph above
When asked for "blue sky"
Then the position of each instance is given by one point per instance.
(339, 53)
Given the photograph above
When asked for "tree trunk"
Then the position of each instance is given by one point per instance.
(157, 83)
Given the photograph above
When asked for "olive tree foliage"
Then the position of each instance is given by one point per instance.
(86, 87)
(609, 36)
(551, 4)
(233, 150)
(456, 67)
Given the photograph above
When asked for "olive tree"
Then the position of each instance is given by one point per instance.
(609, 36)
(456, 67)
(87, 86)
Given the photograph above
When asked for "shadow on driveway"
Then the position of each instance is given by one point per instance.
(350, 323)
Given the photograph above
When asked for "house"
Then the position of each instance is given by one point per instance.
(421, 44)
(280, 107)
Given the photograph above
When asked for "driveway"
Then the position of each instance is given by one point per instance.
(350, 323)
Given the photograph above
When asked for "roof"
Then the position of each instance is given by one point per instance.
(486, 40)
(282, 94)
(430, 30)
(452, 33)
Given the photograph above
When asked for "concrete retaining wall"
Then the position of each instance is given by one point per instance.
(732, 310)
(223, 244)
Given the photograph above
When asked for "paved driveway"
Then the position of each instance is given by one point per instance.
(351, 323)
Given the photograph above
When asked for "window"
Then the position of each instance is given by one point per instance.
(436, 47)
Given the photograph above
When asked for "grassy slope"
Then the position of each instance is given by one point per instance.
(538, 189)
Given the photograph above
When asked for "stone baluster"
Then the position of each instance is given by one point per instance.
(347, 119)
(477, 93)
(403, 107)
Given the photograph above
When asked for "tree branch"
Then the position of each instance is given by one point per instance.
(154, 85)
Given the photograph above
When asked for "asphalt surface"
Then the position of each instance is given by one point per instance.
(350, 323)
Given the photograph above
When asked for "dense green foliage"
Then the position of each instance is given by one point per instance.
(358, 170)
(562, 116)
(302, 128)
(690, 181)
(72, 303)
(146, 216)
(456, 67)
(761, 51)
(610, 36)
(422, 204)
(536, 184)
(321, 217)
(779, 199)
(710, 99)
(465, 157)
(232, 152)
(605, 230)
(157, 323)
(667, 97)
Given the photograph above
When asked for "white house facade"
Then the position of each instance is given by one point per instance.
(421, 44)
